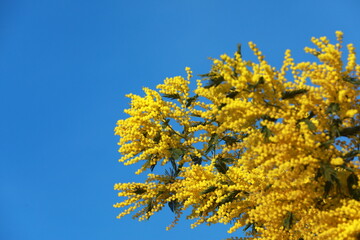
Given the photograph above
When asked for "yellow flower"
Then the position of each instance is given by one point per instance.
(339, 36)
(342, 95)
(351, 112)
(337, 161)
(246, 144)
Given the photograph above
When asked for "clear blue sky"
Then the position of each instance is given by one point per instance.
(65, 67)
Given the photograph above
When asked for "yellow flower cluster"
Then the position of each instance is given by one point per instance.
(275, 152)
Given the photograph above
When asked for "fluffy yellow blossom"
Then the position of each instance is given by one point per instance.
(272, 151)
(350, 113)
(337, 161)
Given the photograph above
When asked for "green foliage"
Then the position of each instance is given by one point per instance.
(293, 93)
(209, 190)
(288, 220)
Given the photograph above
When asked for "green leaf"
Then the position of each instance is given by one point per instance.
(227, 182)
(288, 220)
(232, 94)
(229, 140)
(221, 106)
(311, 115)
(197, 123)
(227, 160)
(207, 75)
(157, 138)
(196, 160)
(267, 103)
(329, 172)
(353, 181)
(215, 81)
(261, 80)
(173, 172)
(209, 190)
(149, 206)
(267, 133)
(351, 155)
(174, 205)
(335, 128)
(221, 167)
(343, 166)
(212, 142)
(327, 188)
(307, 121)
(352, 80)
(253, 229)
(214, 138)
(318, 174)
(247, 226)
(293, 93)
(239, 49)
(333, 108)
(165, 123)
(190, 100)
(139, 190)
(267, 187)
(327, 144)
(194, 115)
(148, 164)
(310, 124)
(159, 194)
(172, 96)
(176, 153)
(331, 178)
(231, 197)
(334, 131)
(350, 131)
(173, 164)
(152, 167)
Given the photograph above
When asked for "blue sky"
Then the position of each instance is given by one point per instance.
(65, 67)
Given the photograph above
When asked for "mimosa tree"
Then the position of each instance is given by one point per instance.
(271, 151)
